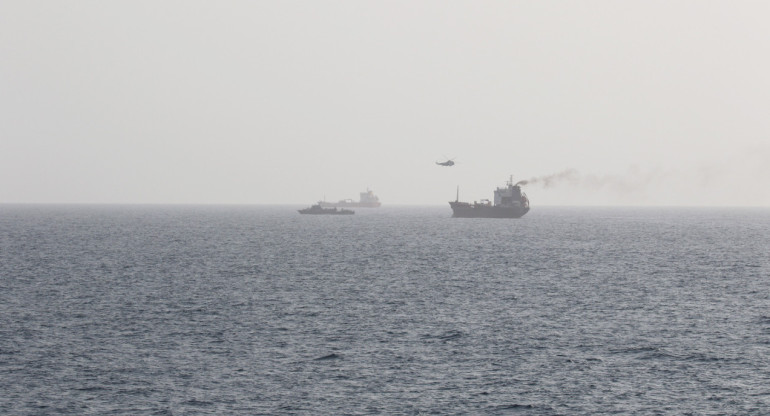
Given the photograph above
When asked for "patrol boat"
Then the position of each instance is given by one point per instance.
(510, 202)
(317, 209)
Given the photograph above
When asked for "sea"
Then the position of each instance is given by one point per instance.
(257, 310)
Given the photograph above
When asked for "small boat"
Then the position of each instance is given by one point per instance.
(317, 209)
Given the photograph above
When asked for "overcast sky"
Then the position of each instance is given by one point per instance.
(633, 102)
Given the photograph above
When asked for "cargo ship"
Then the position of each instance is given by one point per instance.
(366, 200)
(510, 202)
(317, 209)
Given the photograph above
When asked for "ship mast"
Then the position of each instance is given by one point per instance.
(458, 194)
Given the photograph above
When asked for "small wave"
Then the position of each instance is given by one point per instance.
(516, 407)
(331, 356)
(638, 350)
(655, 353)
(445, 336)
(201, 403)
(646, 352)
(702, 357)
(90, 389)
(450, 335)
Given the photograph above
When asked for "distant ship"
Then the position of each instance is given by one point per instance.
(510, 202)
(367, 200)
(318, 210)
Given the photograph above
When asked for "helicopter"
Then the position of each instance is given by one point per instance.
(449, 162)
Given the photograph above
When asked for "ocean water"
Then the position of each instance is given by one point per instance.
(209, 310)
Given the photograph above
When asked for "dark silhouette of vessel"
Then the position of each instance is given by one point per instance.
(317, 209)
(367, 200)
(510, 202)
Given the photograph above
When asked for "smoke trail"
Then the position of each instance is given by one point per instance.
(546, 181)
(632, 181)
(732, 181)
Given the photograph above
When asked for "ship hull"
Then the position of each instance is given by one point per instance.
(466, 210)
(326, 213)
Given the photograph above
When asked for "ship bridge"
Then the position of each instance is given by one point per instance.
(510, 195)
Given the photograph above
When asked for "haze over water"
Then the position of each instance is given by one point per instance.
(149, 310)
(271, 102)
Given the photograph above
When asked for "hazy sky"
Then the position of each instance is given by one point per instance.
(639, 102)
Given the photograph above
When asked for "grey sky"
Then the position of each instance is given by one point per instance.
(651, 103)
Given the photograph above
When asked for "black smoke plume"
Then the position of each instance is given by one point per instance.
(546, 181)
(634, 180)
